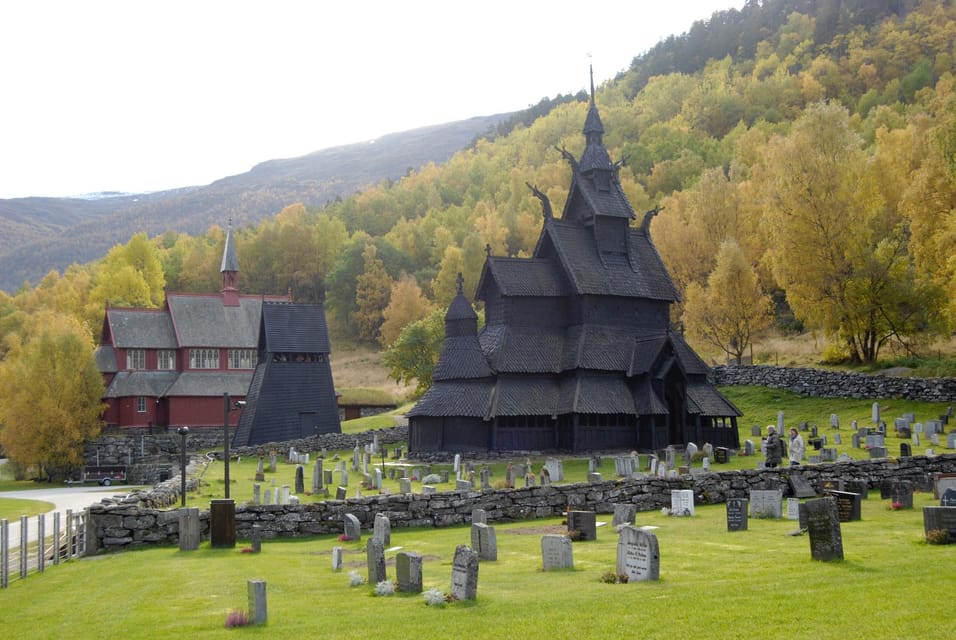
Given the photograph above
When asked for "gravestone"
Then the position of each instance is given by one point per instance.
(464, 573)
(906, 450)
(682, 502)
(948, 499)
(689, 452)
(584, 522)
(479, 515)
(624, 514)
(942, 482)
(721, 455)
(671, 457)
(299, 480)
(375, 558)
(272, 462)
(336, 558)
(848, 505)
(485, 479)
(837, 439)
(188, 528)
(951, 440)
(737, 514)
(780, 422)
(484, 541)
(352, 528)
(940, 518)
(428, 489)
(756, 431)
(875, 415)
(831, 484)
(855, 440)
(457, 464)
(260, 471)
(555, 469)
(257, 494)
(408, 571)
(317, 476)
(344, 478)
(255, 538)
(404, 485)
(800, 486)
(340, 493)
(638, 554)
(793, 508)
(749, 449)
(382, 529)
(834, 421)
(828, 454)
(766, 503)
(823, 525)
(256, 597)
(594, 477)
(902, 494)
(858, 486)
(877, 452)
(556, 552)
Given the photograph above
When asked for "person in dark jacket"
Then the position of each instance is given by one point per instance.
(774, 453)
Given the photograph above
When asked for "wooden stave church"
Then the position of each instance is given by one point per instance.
(577, 353)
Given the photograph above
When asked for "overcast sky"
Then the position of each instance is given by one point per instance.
(138, 95)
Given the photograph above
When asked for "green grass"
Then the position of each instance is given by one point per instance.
(12, 508)
(757, 583)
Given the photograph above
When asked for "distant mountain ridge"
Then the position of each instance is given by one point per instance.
(40, 234)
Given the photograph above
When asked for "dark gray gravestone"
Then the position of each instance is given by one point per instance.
(905, 450)
(902, 494)
(823, 525)
(756, 430)
(886, 488)
(638, 554)
(861, 487)
(800, 486)
(737, 514)
(556, 552)
(848, 505)
(484, 541)
(464, 573)
(340, 493)
(948, 499)
(317, 476)
(940, 518)
(624, 514)
(584, 522)
(351, 527)
(721, 455)
(802, 516)
(408, 571)
(375, 557)
(479, 515)
(299, 480)
(256, 538)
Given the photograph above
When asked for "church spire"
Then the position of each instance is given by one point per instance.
(230, 271)
(595, 156)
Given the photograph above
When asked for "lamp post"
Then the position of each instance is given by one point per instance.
(226, 406)
(183, 432)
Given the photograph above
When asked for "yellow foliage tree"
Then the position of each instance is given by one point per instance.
(52, 397)
(406, 304)
(372, 288)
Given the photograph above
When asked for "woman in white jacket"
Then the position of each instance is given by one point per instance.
(797, 447)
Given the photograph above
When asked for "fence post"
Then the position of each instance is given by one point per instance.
(24, 546)
(4, 554)
(41, 542)
(83, 520)
(56, 537)
(69, 534)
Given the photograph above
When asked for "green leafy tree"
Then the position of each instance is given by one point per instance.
(51, 400)
(411, 359)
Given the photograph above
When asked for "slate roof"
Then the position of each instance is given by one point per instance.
(523, 349)
(596, 395)
(230, 262)
(598, 347)
(141, 383)
(105, 357)
(141, 328)
(298, 328)
(203, 320)
(461, 357)
(526, 396)
(645, 353)
(211, 383)
(704, 399)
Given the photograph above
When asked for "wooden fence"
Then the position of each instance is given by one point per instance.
(19, 557)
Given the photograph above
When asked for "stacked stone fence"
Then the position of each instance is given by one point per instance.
(133, 521)
(837, 384)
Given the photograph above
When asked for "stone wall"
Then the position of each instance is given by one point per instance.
(837, 384)
(118, 524)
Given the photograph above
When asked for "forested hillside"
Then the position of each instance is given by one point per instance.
(801, 153)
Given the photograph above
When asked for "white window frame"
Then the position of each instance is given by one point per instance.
(166, 359)
(141, 404)
(204, 358)
(243, 358)
(136, 359)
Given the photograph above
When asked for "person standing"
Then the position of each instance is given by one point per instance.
(774, 453)
(797, 447)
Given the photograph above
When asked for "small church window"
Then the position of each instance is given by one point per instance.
(136, 359)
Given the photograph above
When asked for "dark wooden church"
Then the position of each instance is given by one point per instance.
(291, 395)
(577, 353)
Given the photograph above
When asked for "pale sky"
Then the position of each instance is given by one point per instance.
(141, 95)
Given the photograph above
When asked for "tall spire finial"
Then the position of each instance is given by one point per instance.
(591, 68)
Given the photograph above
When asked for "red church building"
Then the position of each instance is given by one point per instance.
(170, 367)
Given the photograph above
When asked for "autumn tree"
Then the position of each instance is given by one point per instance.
(372, 288)
(406, 304)
(732, 307)
(130, 275)
(51, 401)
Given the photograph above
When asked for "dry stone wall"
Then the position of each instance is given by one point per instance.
(122, 523)
(837, 384)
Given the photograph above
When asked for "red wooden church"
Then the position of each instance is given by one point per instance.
(170, 367)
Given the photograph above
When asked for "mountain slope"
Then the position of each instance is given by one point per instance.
(40, 234)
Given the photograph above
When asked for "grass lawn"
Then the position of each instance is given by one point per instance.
(12, 508)
(714, 584)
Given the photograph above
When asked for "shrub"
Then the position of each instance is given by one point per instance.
(236, 618)
(614, 578)
(937, 536)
